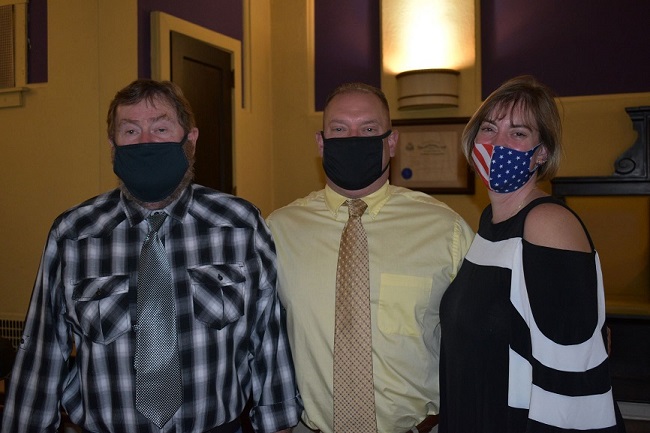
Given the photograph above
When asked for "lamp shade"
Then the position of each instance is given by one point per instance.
(427, 88)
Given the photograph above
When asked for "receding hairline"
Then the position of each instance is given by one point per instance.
(360, 89)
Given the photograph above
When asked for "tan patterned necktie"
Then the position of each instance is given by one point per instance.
(354, 397)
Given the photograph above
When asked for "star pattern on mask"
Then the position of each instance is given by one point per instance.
(509, 173)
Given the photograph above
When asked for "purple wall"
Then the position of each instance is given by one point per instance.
(37, 34)
(347, 39)
(578, 47)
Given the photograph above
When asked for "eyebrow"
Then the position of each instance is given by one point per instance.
(512, 125)
(153, 120)
(369, 122)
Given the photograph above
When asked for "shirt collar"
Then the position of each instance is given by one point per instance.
(176, 209)
(375, 200)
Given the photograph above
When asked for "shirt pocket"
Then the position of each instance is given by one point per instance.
(403, 302)
(218, 293)
(102, 307)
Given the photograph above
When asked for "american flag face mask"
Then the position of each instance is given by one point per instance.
(503, 169)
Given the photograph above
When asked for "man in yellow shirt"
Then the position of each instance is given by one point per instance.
(415, 247)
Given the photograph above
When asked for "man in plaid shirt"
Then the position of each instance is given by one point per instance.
(231, 335)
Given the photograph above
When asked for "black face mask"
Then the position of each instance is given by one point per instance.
(353, 163)
(151, 171)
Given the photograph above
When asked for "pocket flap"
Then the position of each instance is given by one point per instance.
(218, 292)
(95, 288)
(102, 307)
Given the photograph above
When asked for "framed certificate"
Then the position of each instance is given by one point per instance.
(429, 158)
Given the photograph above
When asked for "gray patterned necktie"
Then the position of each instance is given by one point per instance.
(159, 390)
(354, 395)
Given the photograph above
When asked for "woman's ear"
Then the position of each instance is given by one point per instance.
(541, 156)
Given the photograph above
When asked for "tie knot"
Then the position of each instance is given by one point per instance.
(156, 220)
(356, 207)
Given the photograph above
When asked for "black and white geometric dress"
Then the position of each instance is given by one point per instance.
(523, 337)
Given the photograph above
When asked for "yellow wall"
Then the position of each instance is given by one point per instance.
(56, 153)
(296, 161)
(253, 138)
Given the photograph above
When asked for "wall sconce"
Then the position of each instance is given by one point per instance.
(427, 88)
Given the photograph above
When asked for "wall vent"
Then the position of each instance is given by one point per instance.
(13, 52)
(7, 47)
(12, 330)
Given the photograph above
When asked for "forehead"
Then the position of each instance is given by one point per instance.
(146, 109)
(355, 105)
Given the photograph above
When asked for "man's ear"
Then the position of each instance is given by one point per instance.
(392, 142)
(319, 143)
(190, 144)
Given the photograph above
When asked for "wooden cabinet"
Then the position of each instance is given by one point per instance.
(631, 177)
(631, 170)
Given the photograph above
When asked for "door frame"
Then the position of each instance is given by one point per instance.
(162, 25)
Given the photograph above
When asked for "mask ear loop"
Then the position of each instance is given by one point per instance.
(383, 137)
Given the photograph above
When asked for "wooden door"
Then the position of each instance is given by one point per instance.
(204, 72)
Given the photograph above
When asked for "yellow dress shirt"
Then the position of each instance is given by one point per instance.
(416, 245)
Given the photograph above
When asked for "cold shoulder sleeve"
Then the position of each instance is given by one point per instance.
(563, 292)
(559, 298)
